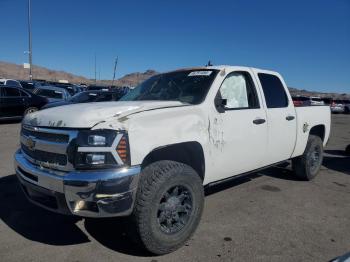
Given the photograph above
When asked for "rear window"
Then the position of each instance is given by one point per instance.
(50, 93)
(274, 92)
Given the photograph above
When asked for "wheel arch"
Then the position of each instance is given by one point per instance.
(190, 153)
(318, 130)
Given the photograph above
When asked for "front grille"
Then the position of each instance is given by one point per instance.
(46, 157)
(57, 138)
(47, 147)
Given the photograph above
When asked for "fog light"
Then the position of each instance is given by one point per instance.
(79, 205)
(95, 140)
(95, 159)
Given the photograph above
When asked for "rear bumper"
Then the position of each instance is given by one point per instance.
(95, 193)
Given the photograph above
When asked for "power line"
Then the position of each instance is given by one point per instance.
(114, 70)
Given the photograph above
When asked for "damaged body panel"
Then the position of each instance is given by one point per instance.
(238, 130)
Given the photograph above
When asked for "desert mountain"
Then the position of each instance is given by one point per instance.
(14, 71)
(10, 70)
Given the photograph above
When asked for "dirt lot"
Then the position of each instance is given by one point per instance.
(269, 216)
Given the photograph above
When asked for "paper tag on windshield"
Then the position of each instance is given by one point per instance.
(200, 73)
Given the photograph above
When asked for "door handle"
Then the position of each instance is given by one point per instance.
(259, 121)
(290, 118)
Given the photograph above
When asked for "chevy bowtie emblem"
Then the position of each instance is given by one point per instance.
(30, 143)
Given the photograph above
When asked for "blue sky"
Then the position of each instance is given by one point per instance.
(308, 42)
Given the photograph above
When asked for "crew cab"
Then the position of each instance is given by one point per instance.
(150, 155)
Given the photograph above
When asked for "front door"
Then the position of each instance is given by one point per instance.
(241, 127)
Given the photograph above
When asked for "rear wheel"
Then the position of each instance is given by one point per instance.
(30, 110)
(168, 207)
(309, 163)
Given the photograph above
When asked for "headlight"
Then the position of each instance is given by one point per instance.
(103, 148)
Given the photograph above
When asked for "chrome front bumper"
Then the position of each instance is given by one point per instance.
(95, 193)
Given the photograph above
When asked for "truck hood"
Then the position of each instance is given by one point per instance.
(87, 115)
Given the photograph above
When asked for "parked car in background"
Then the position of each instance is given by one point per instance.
(71, 88)
(337, 106)
(346, 106)
(16, 102)
(316, 101)
(87, 97)
(52, 93)
(10, 82)
(30, 85)
(94, 87)
(301, 101)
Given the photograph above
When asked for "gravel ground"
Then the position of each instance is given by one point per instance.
(267, 216)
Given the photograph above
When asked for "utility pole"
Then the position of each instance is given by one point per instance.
(115, 68)
(95, 68)
(30, 39)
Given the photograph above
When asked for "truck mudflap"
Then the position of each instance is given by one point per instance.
(95, 193)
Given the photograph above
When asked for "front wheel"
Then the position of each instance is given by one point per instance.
(309, 163)
(168, 207)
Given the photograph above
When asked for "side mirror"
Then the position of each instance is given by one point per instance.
(220, 104)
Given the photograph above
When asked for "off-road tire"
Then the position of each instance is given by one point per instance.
(347, 150)
(155, 182)
(307, 166)
(30, 110)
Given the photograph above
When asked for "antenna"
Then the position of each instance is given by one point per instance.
(115, 68)
(209, 63)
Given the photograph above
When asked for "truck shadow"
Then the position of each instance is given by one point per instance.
(281, 171)
(34, 223)
(39, 225)
(337, 160)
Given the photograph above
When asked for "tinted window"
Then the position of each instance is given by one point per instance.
(11, 92)
(239, 91)
(187, 86)
(13, 83)
(50, 93)
(23, 93)
(274, 92)
(27, 85)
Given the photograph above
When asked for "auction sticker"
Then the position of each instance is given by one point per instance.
(200, 73)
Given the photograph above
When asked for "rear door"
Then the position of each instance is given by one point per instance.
(281, 118)
(12, 102)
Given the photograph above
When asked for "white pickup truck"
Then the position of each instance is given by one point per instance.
(150, 155)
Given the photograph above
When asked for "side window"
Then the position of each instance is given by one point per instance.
(239, 91)
(274, 92)
(104, 97)
(12, 83)
(23, 93)
(11, 92)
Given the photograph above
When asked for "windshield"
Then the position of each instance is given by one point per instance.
(187, 86)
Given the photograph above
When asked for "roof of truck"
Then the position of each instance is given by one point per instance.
(222, 67)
